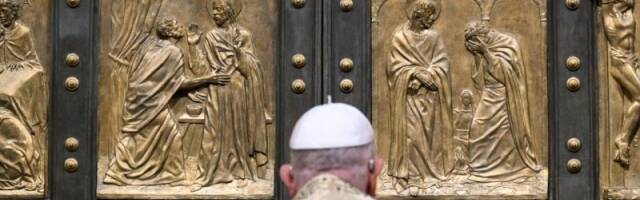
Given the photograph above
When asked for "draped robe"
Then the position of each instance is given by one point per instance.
(150, 149)
(22, 112)
(500, 135)
(235, 142)
(421, 119)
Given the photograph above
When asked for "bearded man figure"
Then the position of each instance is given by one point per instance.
(235, 141)
(500, 135)
(421, 117)
(150, 150)
(22, 102)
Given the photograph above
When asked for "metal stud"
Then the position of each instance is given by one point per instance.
(72, 84)
(574, 165)
(299, 61)
(71, 165)
(73, 3)
(573, 84)
(71, 144)
(298, 86)
(572, 4)
(298, 3)
(573, 63)
(346, 5)
(346, 65)
(574, 145)
(346, 85)
(72, 59)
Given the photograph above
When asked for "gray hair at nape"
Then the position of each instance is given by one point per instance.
(310, 163)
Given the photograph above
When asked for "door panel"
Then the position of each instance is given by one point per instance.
(24, 81)
(116, 99)
(619, 164)
(455, 122)
(167, 127)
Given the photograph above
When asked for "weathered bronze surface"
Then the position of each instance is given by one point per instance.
(187, 99)
(24, 35)
(491, 140)
(620, 99)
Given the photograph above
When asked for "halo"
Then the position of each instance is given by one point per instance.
(411, 3)
(235, 4)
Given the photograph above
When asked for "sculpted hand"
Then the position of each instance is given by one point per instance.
(219, 79)
(473, 46)
(427, 81)
(193, 35)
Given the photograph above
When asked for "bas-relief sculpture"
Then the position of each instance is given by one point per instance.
(482, 149)
(621, 112)
(23, 103)
(195, 111)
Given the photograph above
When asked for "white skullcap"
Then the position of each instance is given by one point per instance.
(329, 126)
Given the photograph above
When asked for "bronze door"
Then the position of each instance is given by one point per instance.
(195, 99)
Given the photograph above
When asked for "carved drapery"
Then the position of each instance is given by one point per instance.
(187, 100)
(452, 93)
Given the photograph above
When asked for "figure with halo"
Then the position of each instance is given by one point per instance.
(234, 146)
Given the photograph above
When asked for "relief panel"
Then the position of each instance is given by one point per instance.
(460, 98)
(24, 59)
(620, 99)
(186, 99)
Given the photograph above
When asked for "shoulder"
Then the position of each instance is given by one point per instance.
(21, 30)
(244, 33)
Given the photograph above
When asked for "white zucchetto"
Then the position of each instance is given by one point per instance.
(329, 126)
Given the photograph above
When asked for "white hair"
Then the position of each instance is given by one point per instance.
(354, 160)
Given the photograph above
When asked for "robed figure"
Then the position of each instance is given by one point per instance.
(235, 144)
(500, 135)
(150, 149)
(22, 103)
(420, 88)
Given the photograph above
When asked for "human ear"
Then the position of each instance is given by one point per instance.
(373, 177)
(288, 179)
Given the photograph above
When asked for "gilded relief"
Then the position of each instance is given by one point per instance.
(620, 112)
(194, 98)
(23, 101)
(482, 149)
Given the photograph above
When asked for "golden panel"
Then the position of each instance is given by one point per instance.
(186, 99)
(619, 92)
(24, 40)
(460, 98)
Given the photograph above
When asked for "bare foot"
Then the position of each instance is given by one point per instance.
(622, 154)
(196, 187)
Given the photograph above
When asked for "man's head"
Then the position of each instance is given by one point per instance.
(9, 12)
(224, 11)
(476, 32)
(169, 28)
(423, 13)
(334, 139)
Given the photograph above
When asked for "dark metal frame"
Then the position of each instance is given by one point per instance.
(73, 114)
(572, 114)
(324, 34)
